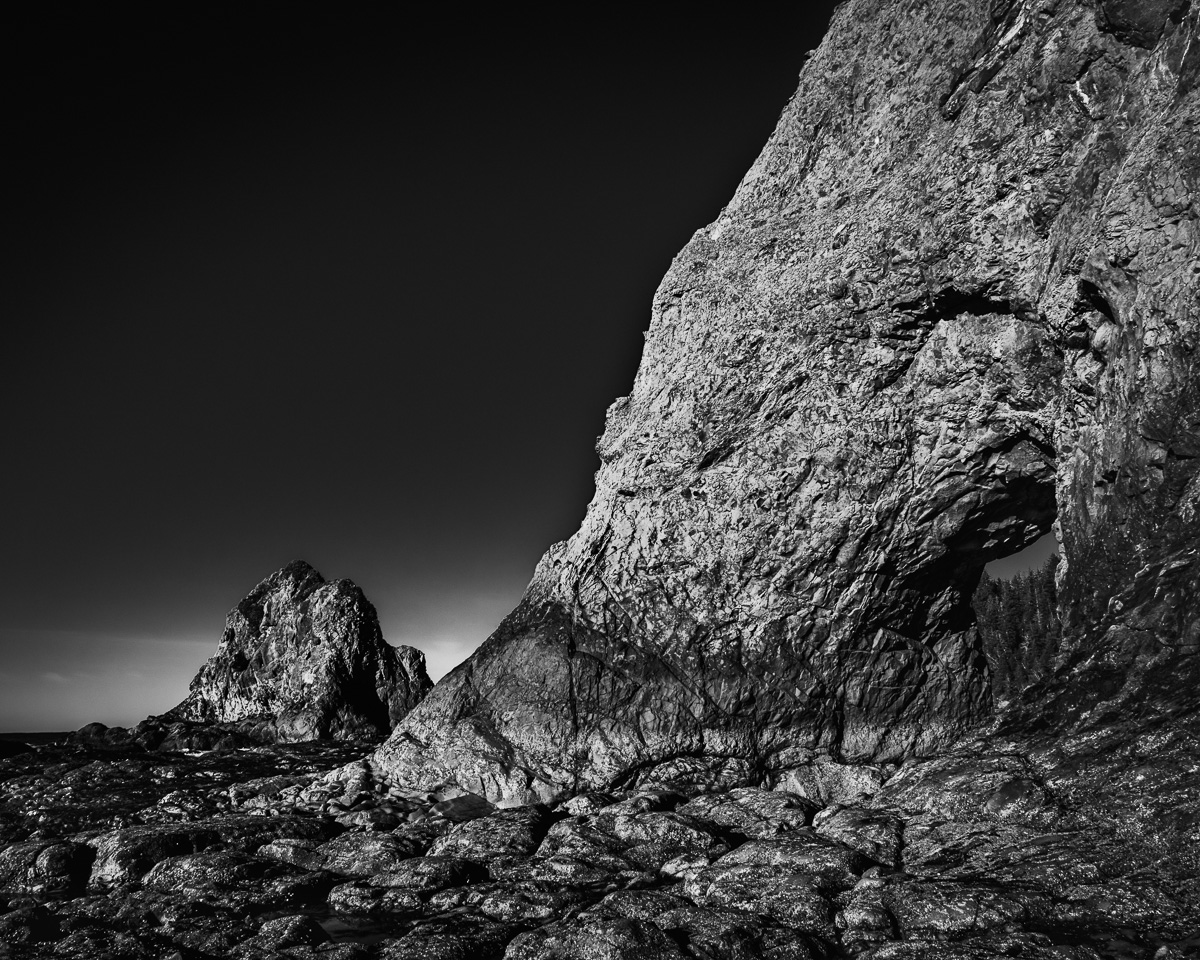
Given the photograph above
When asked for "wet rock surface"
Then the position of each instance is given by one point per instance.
(995, 849)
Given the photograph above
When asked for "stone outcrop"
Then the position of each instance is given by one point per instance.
(953, 305)
(303, 659)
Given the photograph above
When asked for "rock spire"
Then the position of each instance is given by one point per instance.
(305, 658)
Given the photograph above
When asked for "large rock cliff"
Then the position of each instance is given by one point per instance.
(953, 305)
(304, 659)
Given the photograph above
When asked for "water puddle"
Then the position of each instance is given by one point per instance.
(344, 928)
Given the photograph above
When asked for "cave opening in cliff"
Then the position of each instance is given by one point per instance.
(1003, 559)
(1016, 611)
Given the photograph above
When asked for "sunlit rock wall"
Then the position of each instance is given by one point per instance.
(954, 299)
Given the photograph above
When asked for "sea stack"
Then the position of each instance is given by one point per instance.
(303, 658)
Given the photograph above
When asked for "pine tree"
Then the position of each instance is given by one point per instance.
(1019, 626)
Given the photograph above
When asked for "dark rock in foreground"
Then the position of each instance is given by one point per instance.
(1054, 852)
(302, 659)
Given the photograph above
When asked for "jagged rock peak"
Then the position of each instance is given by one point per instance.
(303, 658)
(952, 304)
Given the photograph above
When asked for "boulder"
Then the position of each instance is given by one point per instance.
(426, 874)
(293, 931)
(774, 891)
(236, 880)
(828, 867)
(875, 834)
(505, 833)
(753, 812)
(357, 854)
(127, 855)
(45, 867)
(596, 938)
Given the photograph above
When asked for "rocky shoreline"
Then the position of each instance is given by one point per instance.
(307, 851)
(745, 711)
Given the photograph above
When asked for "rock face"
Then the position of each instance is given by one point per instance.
(304, 659)
(952, 305)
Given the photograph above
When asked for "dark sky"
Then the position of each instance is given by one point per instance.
(350, 289)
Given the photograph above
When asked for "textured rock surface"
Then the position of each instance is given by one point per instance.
(1072, 849)
(304, 659)
(954, 299)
